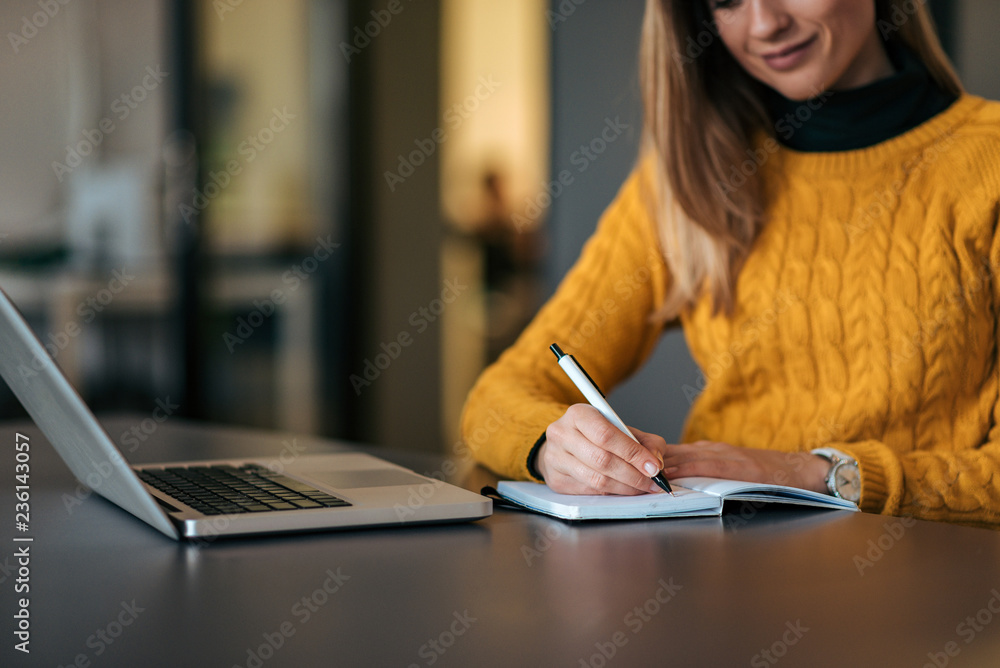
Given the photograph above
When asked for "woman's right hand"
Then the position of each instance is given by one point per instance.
(583, 453)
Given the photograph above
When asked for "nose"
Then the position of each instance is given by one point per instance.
(768, 19)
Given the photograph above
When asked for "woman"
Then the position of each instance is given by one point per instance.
(816, 204)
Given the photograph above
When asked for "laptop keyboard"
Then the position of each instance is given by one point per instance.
(223, 489)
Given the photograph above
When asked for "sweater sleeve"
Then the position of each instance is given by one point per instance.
(600, 313)
(943, 483)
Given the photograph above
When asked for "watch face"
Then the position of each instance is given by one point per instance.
(847, 479)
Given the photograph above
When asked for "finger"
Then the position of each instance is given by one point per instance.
(652, 442)
(605, 472)
(596, 429)
(574, 465)
(708, 467)
(569, 475)
(687, 452)
(599, 470)
(586, 480)
(678, 458)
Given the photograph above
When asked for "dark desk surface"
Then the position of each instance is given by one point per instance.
(809, 588)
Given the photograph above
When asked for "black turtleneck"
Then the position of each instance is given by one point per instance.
(860, 117)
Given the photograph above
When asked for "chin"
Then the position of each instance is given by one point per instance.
(801, 96)
(800, 90)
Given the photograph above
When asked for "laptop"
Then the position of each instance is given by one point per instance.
(206, 499)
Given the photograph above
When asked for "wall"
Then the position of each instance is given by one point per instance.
(594, 76)
(977, 48)
(62, 76)
(403, 404)
(257, 68)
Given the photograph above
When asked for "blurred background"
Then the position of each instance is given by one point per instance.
(323, 216)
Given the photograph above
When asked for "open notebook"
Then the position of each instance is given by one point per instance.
(693, 497)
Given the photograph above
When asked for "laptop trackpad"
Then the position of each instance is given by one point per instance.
(366, 478)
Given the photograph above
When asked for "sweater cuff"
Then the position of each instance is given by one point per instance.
(505, 449)
(881, 475)
(533, 459)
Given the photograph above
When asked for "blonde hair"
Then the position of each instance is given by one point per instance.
(701, 114)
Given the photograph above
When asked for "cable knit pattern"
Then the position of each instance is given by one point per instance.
(866, 318)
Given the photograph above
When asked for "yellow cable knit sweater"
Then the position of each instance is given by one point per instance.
(865, 319)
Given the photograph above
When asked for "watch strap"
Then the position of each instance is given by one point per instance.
(832, 454)
(836, 459)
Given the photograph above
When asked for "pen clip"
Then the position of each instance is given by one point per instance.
(596, 386)
(560, 354)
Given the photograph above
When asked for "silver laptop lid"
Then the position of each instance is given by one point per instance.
(67, 422)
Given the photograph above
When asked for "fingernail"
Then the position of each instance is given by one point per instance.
(655, 488)
(650, 468)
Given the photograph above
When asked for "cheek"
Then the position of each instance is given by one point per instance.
(731, 37)
(829, 8)
(848, 20)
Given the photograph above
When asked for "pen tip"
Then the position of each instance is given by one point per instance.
(556, 350)
(661, 480)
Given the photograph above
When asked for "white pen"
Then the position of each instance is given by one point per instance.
(596, 398)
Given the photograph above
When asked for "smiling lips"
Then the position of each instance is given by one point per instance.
(788, 57)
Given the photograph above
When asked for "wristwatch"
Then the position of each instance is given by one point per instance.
(844, 478)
